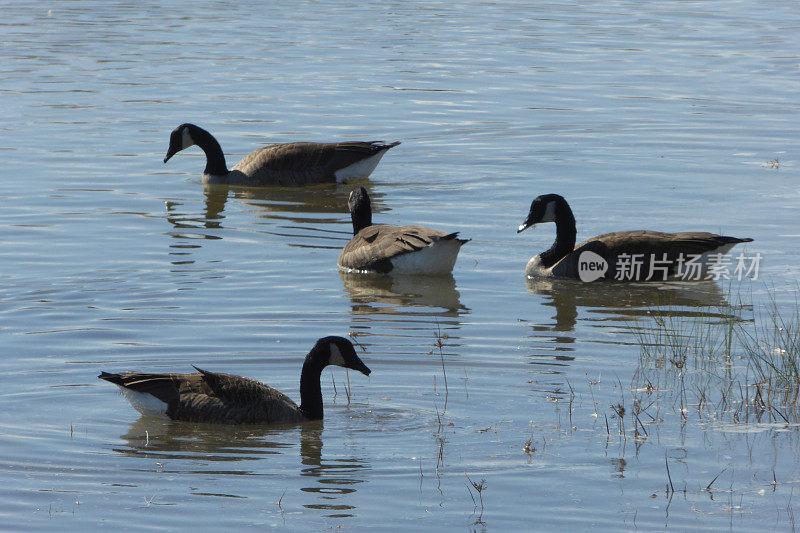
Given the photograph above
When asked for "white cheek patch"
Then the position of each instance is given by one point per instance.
(186, 138)
(549, 212)
(336, 356)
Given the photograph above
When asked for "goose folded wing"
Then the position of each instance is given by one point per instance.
(344, 154)
(657, 244)
(303, 158)
(232, 389)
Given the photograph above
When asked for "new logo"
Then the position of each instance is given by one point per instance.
(591, 266)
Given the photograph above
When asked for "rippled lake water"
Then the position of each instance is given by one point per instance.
(669, 115)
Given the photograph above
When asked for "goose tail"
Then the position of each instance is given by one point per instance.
(116, 379)
(454, 237)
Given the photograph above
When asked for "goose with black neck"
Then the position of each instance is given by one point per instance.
(384, 248)
(661, 256)
(285, 165)
(228, 399)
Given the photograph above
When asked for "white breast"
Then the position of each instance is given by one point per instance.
(534, 269)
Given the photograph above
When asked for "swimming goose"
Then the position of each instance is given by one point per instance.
(668, 253)
(228, 399)
(292, 164)
(397, 249)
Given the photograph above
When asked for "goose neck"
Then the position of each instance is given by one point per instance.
(215, 159)
(310, 390)
(565, 236)
(361, 217)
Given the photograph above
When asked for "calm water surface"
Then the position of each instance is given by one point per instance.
(662, 115)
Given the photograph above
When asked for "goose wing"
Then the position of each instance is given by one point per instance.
(658, 243)
(374, 247)
(304, 163)
(235, 399)
(237, 390)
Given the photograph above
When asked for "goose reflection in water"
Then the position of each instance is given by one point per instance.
(611, 305)
(286, 212)
(167, 440)
(270, 202)
(287, 203)
(336, 478)
(282, 211)
(383, 294)
(618, 302)
(265, 203)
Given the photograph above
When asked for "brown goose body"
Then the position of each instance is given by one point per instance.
(207, 397)
(304, 163)
(686, 256)
(225, 398)
(385, 248)
(286, 165)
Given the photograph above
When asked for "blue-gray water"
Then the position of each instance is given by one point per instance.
(660, 115)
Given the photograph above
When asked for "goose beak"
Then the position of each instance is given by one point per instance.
(525, 226)
(170, 153)
(361, 367)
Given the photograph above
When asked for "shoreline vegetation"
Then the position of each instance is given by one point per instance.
(737, 364)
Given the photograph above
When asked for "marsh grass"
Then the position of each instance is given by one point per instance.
(718, 365)
(439, 343)
(773, 348)
(479, 487)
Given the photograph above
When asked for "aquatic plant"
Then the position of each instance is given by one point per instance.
(721, 364)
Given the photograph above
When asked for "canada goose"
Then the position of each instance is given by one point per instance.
(292, 164)
(398, 249)
(228, 399)
(662, 256)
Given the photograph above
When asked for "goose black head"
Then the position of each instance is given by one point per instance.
(543, 209)
(360, 209)
(340, 352)
(180, 139)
